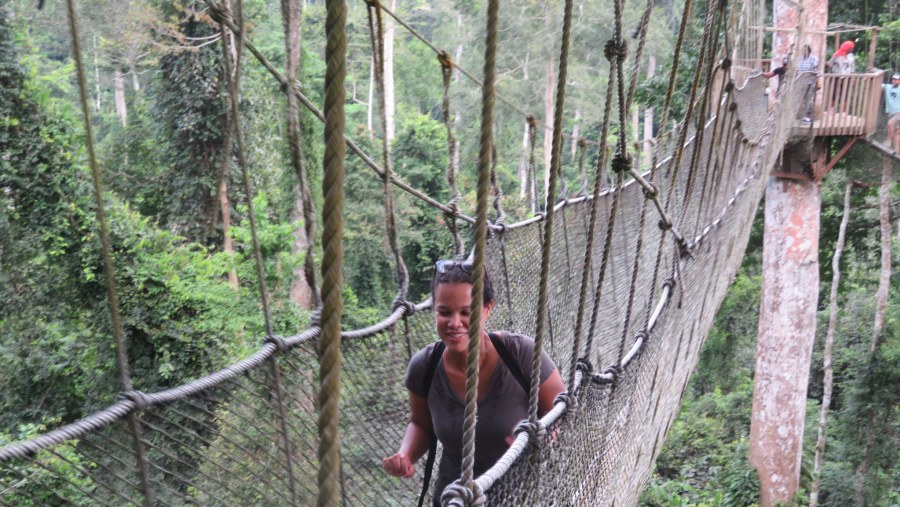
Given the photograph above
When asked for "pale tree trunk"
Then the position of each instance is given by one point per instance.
(787, 329)
(523, 163)
(121, 107)
(829, 346)
(302, 291)
(135, 83)
(370, 106)
(549, 86)
(575, 131)
(96, 74)
(881, 300)
(457, 56)
(389, 106)
(227, 247)
(648, 114)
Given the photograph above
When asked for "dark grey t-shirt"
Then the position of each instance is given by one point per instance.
(501, 409)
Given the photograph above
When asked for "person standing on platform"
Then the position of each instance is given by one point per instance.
(892, 108)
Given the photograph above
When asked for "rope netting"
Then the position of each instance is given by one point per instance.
(665, 246)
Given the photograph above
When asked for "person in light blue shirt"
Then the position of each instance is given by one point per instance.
(892, 108)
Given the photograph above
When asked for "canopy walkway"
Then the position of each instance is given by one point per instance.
(634, 275)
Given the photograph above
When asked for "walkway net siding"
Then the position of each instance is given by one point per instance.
(237, 438)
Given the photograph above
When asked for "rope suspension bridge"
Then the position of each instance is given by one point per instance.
(619, 285)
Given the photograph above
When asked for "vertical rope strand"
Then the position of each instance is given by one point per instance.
(112, 293)
(453, 152)
(587, 270)
(484, 186)
(329, 346)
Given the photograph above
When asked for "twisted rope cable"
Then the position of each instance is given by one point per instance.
(453, 149)
(292, 87)
(376, 36)
(297, 156)
(329, 346)
(106, 250)
(484, 164)
(547, 240)
(587, 268)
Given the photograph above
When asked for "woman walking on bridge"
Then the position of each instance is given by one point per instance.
(436, 380)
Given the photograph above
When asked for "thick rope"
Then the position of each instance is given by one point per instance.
(475, 330)
(329, 346)
(546, 244)
(376, 35)
(587, 269)
(294, 134)
(108, 265)
(453, 152)
(532, 167)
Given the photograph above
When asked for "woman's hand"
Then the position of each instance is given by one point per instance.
(399, 465)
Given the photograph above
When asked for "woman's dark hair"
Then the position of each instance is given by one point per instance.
(460, 272)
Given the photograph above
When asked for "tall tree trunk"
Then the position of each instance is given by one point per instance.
(648, 114)
(787, 329)
(389, 105)
(227, 246)
(829, 346)
(549, 86)
(881, 300)
(121, 108)
(302, 291)
(523, 163)
(370, 106)
(575, 132)
(96, 74)
(135, 83)
(457, 56)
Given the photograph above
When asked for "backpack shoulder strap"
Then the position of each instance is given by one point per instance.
(511, 364)
(433, 361)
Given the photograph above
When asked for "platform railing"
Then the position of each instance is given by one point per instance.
(849, 104)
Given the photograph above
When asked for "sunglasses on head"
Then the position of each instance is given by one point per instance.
(445, 265)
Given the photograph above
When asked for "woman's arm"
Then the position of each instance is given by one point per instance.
(416, 440)
(548, 392)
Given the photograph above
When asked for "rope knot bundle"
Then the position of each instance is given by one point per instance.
(446, 60)
(617, 50)
(140, 400)
(665, 224)
(621, 162)
(279, 342)
(536, 432)
(612, 371)
(641, 335)
(670, 283)
(408, 306)
(651, 192)
(570, 400)
(457, 495)
(726, 64)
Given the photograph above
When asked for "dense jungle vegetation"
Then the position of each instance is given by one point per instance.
(180, 226)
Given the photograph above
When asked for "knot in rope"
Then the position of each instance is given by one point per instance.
(665, 224)
(536, 432)
(651, 192)
(729, 87)
(315, 318)
(140, 400)
(401, 302)
(608, 376)
(613, 49)
(726, 64)
(641, 335)
(584, 365)
(570, 400)
(219, 13)
(621, 162)
(457, 495)
(445, 59)
(733, 107)
(279, 342)
(669, 282)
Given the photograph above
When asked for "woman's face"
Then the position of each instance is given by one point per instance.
(452, 302)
